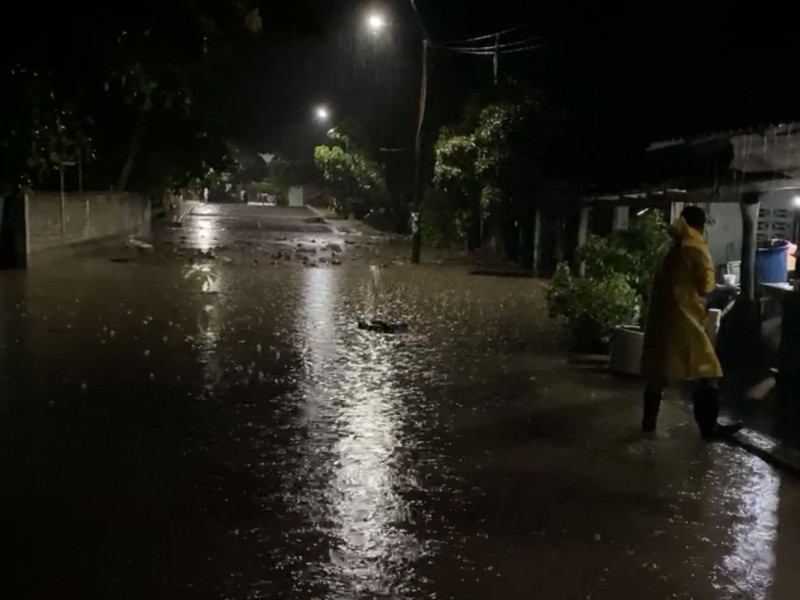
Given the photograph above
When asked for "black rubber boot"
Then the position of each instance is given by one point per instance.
(651, 405)
(706, 413)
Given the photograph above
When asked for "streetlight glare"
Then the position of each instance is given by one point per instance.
(376, 22)
(322, 113)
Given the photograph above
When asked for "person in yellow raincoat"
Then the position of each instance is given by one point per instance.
(676, 345)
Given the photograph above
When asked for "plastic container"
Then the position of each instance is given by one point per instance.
(713, 321)
(772, 263)
(626, 348)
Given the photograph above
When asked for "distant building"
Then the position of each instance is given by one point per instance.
(297, 196)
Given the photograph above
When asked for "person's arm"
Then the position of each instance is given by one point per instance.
(702, 268)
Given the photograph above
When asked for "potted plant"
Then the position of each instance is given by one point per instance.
(614, 293)
(591, 307)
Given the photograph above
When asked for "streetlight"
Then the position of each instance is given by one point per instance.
(376, 23)
(322, 114)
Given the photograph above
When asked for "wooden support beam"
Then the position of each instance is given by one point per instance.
(537, 240)
(583, 234)
(675, 210)
(620, 218)
(750, 203)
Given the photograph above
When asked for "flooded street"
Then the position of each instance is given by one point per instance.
(218, 426)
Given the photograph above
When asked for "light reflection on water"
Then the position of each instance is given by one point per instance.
(354, 413)
(751, 561)
(204, 233)
(208, 280)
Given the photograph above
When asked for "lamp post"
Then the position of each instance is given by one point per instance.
(376, 24)
(416, 203)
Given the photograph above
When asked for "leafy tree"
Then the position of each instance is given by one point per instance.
(133, 77)
(458, 200)
(510, 141)
(489, 171)
(354, 175)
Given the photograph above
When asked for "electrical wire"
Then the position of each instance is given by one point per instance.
(493, 47)
(495, 53)
(468, 45)
(483, 37)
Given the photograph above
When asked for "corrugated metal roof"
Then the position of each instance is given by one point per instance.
(702, 138)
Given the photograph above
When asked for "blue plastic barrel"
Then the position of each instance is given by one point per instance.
(772, 265)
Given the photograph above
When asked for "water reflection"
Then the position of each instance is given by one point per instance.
(208, 281)
(203, 236)
(354, 412)
(751, 562)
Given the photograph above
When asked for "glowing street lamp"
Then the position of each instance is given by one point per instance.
(376, 23)
(322, 114)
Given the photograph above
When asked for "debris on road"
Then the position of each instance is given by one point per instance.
(380, 326)
(139, 245)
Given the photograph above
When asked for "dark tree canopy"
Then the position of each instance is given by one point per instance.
(101, 84)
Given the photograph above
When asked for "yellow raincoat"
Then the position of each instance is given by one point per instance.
(676, 345)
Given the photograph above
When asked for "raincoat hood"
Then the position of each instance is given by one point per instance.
(680, 231)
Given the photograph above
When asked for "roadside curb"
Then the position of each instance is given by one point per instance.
(769, 450)
(765, 447)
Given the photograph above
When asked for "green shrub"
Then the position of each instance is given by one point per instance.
(616, 287)
(591, 307)
(631, 253)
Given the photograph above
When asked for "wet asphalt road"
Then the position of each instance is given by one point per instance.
(217, 426)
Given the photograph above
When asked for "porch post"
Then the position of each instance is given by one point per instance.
(537, 240)
(749, 203)
(675, 210)
(583, 234)
(620, 218)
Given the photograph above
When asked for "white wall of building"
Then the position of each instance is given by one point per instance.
(724, 232)
(296, 196)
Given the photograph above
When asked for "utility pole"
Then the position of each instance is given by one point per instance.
(416, 204)
(416, 211)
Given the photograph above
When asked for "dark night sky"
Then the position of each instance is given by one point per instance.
(627, 77)
(632, 76)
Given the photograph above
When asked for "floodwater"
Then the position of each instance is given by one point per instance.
(216, 427)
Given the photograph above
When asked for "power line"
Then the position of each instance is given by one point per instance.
(481, 38)
(494, 47)
(493, 53)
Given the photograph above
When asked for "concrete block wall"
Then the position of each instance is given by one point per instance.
(82, 217)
